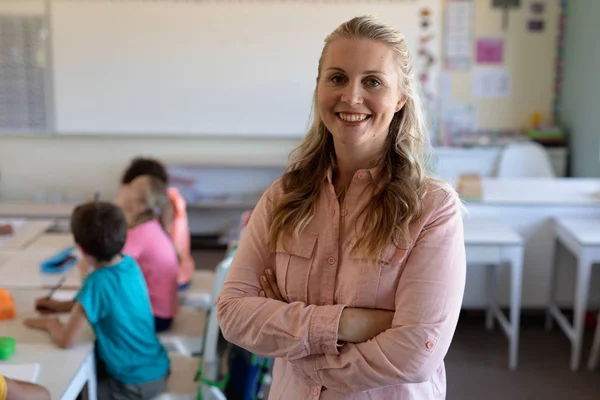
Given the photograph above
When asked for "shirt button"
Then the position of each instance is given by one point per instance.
(361, 175)
(344, 213)
(315, 392)
(331, 260)
(325, 348)
(430, 345)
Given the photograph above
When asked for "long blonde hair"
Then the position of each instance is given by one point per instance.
(399, 202)
(155, 198)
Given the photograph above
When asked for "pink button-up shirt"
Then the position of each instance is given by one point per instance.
(423, 282)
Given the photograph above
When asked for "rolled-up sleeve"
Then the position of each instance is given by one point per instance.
(269, 327)
(428, 302)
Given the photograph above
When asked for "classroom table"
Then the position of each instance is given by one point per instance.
(27, 231)
(530, 207)
(63, 372)
(56, 241)
(22, 271)
(36, 210)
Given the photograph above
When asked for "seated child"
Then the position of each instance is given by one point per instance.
(174, 218)
(114, 300)
(11, 389)
(143, 201)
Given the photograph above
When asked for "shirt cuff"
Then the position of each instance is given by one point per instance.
(323, 330)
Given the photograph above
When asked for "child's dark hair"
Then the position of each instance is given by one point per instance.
(100, 228)
(145, 166)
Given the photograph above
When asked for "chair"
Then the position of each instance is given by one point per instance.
(581, 236)
(524, 160)
(193, 345)
(206, 346)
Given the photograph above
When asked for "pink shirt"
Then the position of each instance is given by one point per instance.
(423, 282)
(151, 247)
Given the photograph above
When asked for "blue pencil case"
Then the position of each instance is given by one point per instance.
(60, 262)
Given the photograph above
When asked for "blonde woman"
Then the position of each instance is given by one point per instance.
(351, 270)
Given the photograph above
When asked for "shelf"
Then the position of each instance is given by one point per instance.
(243, 162)
(224, 204)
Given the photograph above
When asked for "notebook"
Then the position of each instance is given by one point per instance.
(64, 295)
(21, 372)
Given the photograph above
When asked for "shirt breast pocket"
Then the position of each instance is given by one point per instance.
(377, 279)
(292, 265)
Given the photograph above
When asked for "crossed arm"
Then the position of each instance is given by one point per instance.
(378, 351)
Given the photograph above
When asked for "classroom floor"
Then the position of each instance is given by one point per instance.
(477, 363)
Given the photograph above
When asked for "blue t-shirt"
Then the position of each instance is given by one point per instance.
(116, 301)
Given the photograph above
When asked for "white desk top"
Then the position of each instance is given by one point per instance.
(36, 210)
(550, 192)
(57, 367)
(26, 233)
(34, 346)
(22, 271)
(56, 241)
(585, 230)
(487, 232)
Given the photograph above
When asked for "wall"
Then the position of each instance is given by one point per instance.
(580, 110)
(528, 57)
(79, 165)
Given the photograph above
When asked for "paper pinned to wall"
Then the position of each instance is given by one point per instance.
(490, 83)
(490, 50)
(460, 117)
(459, 25)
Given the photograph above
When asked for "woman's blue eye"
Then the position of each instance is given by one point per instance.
(373, 82)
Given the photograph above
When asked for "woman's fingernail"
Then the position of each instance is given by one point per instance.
(270, 272)
(264, 278)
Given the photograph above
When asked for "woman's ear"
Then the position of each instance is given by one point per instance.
(401, 103)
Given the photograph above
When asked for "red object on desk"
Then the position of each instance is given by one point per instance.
(6, 229)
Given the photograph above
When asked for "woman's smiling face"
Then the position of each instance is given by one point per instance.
(358, 91)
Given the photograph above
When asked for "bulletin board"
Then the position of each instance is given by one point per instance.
(500, 66)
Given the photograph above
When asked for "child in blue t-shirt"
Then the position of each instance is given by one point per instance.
(114, 300)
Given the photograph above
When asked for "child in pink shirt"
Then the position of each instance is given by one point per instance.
(143, 202)
(174, 217)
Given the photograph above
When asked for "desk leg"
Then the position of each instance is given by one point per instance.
(582, 285)
(515, 255)
(491, 274)
(553, 273)
(92, 388)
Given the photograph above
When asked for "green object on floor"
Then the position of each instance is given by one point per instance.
(221, 385)
(7, 347)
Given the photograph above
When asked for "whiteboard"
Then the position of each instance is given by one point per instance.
(245, 68)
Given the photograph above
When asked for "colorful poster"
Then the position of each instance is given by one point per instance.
(490, 51)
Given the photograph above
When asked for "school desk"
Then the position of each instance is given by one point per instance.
(63, 372)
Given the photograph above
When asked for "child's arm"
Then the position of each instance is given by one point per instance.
(45, 305)
(63, 335)
(16, 390)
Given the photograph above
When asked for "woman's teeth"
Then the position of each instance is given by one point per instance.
(353, 117)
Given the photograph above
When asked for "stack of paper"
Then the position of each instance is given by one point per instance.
(20, 372)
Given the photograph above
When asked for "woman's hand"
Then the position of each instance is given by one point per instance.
(358, 325)
(270, 290)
